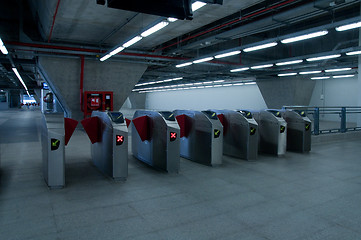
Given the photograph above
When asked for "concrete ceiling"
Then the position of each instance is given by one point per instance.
(66, 27)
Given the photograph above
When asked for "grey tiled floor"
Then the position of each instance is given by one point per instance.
(299, 196)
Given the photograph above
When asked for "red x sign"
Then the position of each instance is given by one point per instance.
(119, 140)
(173, 136)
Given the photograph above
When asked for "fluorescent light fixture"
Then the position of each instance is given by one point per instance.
(238, 84)
(105, 57)
(3, 48)
(200, 87)
(132, 41)
(286, 74)
(289, 62)
(343, 76)
(319, 78)
(310, 72)
(240, 69)
(218, 81)
(304, 37)
(338, 69)
(210, 82)
(228, 54)
(197, 5)
(208, 86)
(262, 66)
(217, 86)
(353, 53)
(183, 64)
(263, 46)
(170, 19)
(323, 57)
(249, 83)
(188, 84)
(193, 87)
(154, 29)
(19, 77)
(227, 85)
(172, 79)
(348, 26)
(117, 50)
(198, 83)
(203, 60)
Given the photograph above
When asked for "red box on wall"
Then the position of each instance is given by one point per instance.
(97, 100)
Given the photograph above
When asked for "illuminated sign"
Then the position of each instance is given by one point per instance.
(307, 126)
(173, 136)
(119, 140)
(55, 143)
(282, 129)
(253, 131)
(217, 133)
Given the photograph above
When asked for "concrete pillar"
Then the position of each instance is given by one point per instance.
(286, 91)
(63, 77)
(359, 82)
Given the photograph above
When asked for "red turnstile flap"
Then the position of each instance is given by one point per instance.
(142, 124)
(222, 119)
(185, 125)
(92, 128)
(128, 121)
(69, 125)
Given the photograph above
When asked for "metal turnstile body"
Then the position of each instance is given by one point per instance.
(110, 154)
(240, 134)
(161, 149)
(203, 142)
(272, 131)
(53, 149)
(298, 130)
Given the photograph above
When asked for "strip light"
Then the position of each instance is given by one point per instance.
(161, 81)
(21, 80)
(240, 69)
(197, 5)
(304, 37)
(203, 60)
(228, 54)
(348, 26)
(353, 53)
(183, 64)
(343, 76)
(323, 57)
(286, 74)
(338, 69)
(289, 62)
(132, 41)
(319, 78)
(3, 48)
(263, 46)
(310, 72)
(154, 29)
(170, 19)
(262, 66)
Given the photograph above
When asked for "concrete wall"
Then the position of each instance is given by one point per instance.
(63, 76)
(235, 97)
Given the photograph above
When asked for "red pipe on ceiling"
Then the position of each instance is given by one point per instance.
(54, 17)
(226, 24)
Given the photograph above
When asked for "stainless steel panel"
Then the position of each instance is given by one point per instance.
(159, 151)
(272, 132)
(52, 132)
(107, 156)
(240, 139)
(298, 131)
(201, 145)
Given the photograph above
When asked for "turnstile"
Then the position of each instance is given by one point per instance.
(201, 136)
(272, 131)
(240, 134)
(52, 139)
(298, 130)
(110, 153)
(155, 139)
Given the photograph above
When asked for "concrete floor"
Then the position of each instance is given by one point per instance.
(299, 196)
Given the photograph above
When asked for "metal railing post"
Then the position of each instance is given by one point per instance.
(343, 119)
(316, 121)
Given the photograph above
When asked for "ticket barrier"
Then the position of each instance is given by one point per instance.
(108, 133)
(240, 134)
(55, 135)
(201, 136)
(155, 139)
(298, 130)
(272, 131)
